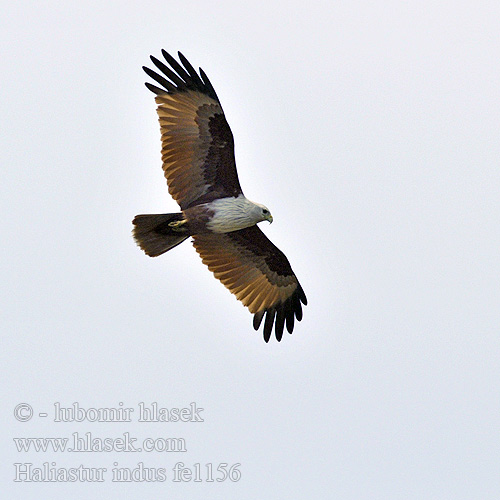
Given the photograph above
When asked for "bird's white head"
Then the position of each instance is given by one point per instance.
(262, 213)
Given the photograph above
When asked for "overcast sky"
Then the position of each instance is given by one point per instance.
(372, 132)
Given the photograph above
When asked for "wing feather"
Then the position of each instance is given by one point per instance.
(197, 143)
(257, 273)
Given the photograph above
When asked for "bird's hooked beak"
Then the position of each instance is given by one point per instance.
(270, 218)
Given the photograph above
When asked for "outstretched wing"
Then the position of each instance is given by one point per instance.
(258, 273)
(197, 143)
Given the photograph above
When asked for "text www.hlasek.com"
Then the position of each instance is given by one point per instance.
(89, 443)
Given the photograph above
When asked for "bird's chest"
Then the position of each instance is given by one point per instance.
(219, 216)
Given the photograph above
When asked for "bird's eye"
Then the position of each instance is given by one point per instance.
(265, 211)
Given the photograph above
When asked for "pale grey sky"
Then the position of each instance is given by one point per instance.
(372, 132)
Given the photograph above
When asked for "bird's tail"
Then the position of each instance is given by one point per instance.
(155, 234)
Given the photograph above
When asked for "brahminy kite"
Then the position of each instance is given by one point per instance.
(200, 168)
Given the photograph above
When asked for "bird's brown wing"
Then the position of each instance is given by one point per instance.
(258, 273)
(197, 143)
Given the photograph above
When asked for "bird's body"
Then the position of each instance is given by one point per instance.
(198, 161)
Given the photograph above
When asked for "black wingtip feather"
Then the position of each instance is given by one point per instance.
(302, 296)
(280, 323)
(289, 316)
(268, 324)
(156, 90)
(298, 310)
(290, 323)
(257, 319)
(192, 72)
(207, 83)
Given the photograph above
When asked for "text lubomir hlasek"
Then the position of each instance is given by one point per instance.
(152, 412)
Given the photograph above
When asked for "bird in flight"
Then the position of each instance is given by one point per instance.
(200, 169)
